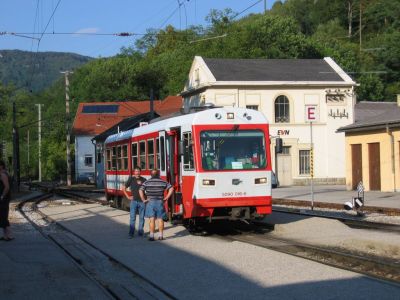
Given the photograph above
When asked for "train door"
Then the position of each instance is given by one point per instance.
(161, 155)
(173, 171)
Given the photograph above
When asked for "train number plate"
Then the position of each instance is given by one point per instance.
(233, 194)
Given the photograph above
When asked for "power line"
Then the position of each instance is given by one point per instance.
(246, 9)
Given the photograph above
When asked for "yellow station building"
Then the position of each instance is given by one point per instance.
(372, 145)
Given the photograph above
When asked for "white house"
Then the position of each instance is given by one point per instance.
(284, 89)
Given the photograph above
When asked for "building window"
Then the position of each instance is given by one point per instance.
(255, 107)
(142, 154)
(282, 114)
(150, 153)
(88, 161)
(135, 162)
(304, 162)
(99, 155)
(188, 161)
(285, 150)
(124, 157)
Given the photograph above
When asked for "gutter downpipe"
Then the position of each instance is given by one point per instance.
(389, 132)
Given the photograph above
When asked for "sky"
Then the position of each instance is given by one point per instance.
(101, 16)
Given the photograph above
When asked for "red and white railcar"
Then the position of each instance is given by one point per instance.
(218, 161)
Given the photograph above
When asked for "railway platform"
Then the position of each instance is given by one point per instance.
(335, 196)
(184, 265)
(32, 267)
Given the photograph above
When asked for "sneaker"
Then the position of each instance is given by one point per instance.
(160, 238)
(131, 236)
(151, 239)
(140, 233)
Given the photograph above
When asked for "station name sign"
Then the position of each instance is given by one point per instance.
(311, 113)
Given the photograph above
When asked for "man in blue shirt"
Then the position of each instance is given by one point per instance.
(137, 205)
(154, 189)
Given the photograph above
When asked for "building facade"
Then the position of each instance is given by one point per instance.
(373, 147)
(288, 92)
(94, 118)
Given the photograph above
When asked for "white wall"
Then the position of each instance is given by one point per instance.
(83, 147)
(329, 146)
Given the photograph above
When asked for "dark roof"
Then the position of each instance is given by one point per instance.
(374, 115)
(272, 70)
(125, 124)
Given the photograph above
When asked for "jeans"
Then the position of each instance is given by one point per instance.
(136, 206)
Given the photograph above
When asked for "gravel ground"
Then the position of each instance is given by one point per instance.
(208, 267)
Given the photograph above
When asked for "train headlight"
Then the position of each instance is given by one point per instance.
(262, 180)
(230, 116)
(208, 182)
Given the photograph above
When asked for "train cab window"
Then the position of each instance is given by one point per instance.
(157, 153)
(135, 162)
(150, 154)
(188, 161)
(125, 157)
(108, 158)
(119, 158)
(142, 154)
(233, 150)
(162, 153)
(114, 158)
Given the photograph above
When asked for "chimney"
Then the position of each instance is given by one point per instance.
(398, 100)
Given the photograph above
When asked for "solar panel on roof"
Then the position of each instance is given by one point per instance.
(100, 109)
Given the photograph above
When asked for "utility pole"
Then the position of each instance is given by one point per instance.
(360, 25)
(265, 7)
(67, 129)
(40, 140)
(15, 160)
(29, 167)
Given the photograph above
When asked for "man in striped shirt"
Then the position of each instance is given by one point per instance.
(152, 193)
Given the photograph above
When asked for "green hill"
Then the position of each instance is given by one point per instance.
(36, 71)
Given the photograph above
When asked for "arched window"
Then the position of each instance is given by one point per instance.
(282, 114)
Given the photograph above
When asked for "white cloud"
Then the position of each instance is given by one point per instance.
(88, 30)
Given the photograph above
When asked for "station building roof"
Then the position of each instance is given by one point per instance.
(93, 118)
(374, 115)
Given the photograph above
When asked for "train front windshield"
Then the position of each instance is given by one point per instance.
(233, 149)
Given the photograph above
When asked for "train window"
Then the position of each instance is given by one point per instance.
(114, 158)
(233, 149)
(125, 157)
(157, 153)
(150, 153)
(119, 158)
(135, 162)
(108, 158)
(142, 154)
(162, 153)
(188, 161)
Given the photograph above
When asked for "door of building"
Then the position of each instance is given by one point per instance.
(285, 167)
(356, 165)
(374, 167)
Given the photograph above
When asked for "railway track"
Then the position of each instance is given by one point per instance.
(116, 279)
(375, 267)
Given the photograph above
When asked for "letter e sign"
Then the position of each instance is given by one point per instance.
(311, 113)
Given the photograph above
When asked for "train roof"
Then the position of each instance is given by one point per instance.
(210, 116)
